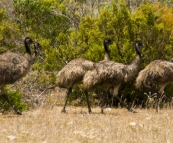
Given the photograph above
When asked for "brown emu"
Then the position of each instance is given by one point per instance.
(74, 72)
(112, 74)
(157, 74)
(15, 66)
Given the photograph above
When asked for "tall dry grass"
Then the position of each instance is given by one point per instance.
(46, 125)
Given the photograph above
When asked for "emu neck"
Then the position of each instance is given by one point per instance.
(34, 56)
(30, 58)
(132, 70)
(107, 52)
(27, 46)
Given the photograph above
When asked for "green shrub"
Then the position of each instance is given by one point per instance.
(15, 97)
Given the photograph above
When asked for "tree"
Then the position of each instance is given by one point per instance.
(70, 29)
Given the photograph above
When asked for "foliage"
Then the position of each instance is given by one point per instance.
(15, 97)
(9, 33)
(40, 19)
(70, 29)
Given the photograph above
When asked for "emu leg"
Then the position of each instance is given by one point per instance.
(89, 108)
(67, 97)
(157, 102)
(4, 95)
(157, 98)
(159, 94)
(103, 101)
(11, 104)
(118, 98)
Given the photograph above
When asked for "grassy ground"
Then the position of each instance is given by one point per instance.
(116, 126)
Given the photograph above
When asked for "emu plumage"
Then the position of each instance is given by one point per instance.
(112, 74)
(157, 74)
(75, 70)
(15, 66)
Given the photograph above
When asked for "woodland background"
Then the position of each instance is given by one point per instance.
(69, 29)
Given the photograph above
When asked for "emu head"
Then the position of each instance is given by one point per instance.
(138, 47)
(36, 47)
(27, 43)
(28, 40)
(107, 41)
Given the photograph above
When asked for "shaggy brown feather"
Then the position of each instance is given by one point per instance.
(104, 74)
(112, 74)
(15, 66)
(75, 70)
(156, 73)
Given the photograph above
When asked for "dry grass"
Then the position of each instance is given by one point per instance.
(116, 126)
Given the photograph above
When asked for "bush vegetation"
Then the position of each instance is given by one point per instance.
(69, 29)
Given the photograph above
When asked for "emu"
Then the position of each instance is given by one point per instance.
(157, 74)
(74, 72)
(112, 74)
(15, 66)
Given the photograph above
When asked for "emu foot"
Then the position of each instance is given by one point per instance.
(63, 111)
(18, 113)
(131, 110)
(102, 112)
(89, 111)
